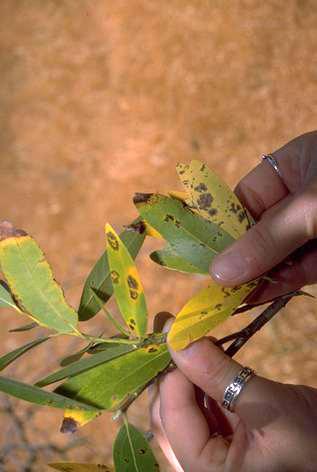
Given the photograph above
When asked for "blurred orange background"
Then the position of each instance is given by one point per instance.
(100, 99)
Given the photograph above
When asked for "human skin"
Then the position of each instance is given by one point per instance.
(274, 426)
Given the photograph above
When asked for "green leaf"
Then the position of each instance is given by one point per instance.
(207, 309)
(13, 355)
(168, 258)
(76, 356)
(87, 363)
(80, 467)
(212, 198)
(6, 300)
(36, 395)
(99, 277)
(190, 236)
(132, 453)
(26, 327)
(109, 385)
(126, 283)
(31, 281)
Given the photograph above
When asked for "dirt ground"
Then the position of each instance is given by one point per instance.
(101, 99)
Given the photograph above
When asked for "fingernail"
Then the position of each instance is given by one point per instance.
(228, 267)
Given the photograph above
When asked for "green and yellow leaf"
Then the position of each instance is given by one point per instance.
(31, 281)
(127, 285)
(99, 278)
(193, 238)
(207, 309)
(132, 452)
(87, 363)
(80, 467)
(75, 419)
(33, 394)
(213, 198)
(109, 385)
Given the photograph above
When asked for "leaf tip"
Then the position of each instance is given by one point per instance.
(69, 425)
(7, 230)
(140, 198)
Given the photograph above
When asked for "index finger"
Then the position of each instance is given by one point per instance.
(262, 188)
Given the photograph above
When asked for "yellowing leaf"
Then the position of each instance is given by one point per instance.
(108, 386)
(74, 419)
(213, 199)
(127, 285)
(190, 236)
(80, 467)
(31, 281)
(208, 308)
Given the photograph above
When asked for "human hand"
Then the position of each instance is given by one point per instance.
(273, 429)
(287, 212)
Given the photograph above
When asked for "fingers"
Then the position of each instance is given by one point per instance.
(186, 427)
(286, 226)
(208, 367)
(299, 270)
(262, 187)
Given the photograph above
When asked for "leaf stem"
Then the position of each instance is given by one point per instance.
(242, 336)
(109, 315)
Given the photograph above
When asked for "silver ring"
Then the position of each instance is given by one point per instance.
(234, 389)
(273, 162)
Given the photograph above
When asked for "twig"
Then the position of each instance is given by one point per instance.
(241, 337)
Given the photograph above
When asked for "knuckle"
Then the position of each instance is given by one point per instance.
(216, 373)
(263, 247)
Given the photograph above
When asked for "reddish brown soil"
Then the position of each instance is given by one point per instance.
(101, 99)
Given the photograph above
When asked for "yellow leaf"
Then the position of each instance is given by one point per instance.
(213, 199)
(207, 309)
(80, 467)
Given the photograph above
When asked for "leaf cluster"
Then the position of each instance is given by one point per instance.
(108, 374)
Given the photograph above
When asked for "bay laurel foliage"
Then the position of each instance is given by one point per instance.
(108, 374)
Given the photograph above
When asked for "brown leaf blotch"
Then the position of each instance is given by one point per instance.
(112, 240)
(204, 201)
(69, 425)
(201, 187)
(115, 276)
(7, 230)
(141, 197)
(134, 294)
(132, 282)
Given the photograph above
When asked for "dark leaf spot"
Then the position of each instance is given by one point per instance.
(132, 282)
(133, 294)
(141, 451)
(7, 230)
(115, 277)
(69, 425)
(241, 216)
(201, 187)
(204, 201)
(112, 240)
(152, 349)
(138, 227)
(141, 197)
(212, 211)
(126, 460)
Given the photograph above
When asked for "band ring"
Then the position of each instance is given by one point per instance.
(273, 163)
(234, 389)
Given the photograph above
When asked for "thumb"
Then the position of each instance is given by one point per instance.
(208, 367)
(283, 228)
